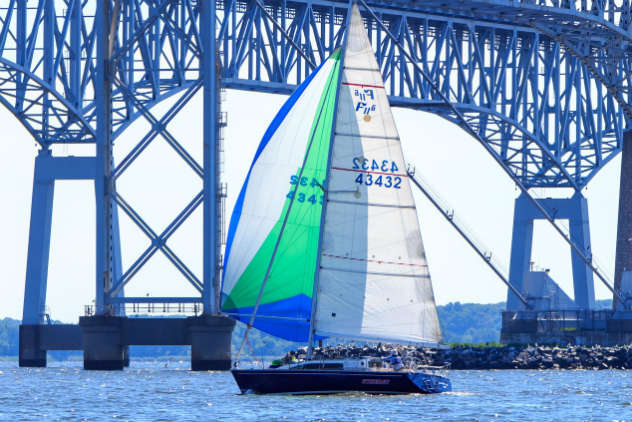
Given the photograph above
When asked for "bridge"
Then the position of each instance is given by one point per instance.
(543, 85)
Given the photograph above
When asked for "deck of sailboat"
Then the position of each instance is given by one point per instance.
(364, 363)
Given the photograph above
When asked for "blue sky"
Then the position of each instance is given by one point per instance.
(159, 184)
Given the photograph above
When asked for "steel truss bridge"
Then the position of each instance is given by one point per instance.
(545, 84)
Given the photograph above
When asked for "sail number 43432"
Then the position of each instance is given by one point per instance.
(312, 197)
(378, 178)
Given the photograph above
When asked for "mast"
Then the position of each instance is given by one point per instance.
(312, 328)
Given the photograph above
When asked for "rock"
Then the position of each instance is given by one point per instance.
(467, 357)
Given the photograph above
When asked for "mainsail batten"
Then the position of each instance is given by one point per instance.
(374, 282)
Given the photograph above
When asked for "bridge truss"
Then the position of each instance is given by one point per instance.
(545, 83)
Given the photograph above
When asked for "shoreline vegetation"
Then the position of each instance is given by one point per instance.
(470, 331)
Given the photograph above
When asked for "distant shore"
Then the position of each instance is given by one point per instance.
(488, 357)
(458, 357)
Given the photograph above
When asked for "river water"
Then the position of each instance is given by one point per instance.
(165, 391)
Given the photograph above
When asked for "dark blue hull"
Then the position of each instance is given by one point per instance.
(288, 381)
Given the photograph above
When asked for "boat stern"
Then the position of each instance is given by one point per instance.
(430, 383)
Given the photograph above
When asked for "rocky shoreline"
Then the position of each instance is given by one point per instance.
(486, 357)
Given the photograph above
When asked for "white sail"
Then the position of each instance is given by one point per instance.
(373, 280)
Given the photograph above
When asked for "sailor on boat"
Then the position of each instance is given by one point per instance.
(394, 360)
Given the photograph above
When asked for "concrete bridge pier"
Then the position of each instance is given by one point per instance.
(32, 355)
(105, 340)
(210, 339)
(103, 347)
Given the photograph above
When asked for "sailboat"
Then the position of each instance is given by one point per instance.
(324, 239)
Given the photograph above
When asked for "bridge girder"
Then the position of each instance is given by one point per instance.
(548, 102)
(476, 54)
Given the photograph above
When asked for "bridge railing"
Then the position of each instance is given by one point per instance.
(151, 308)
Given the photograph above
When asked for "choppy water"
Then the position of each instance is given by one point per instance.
(151, 391)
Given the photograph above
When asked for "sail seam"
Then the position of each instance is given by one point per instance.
(359, 135)
(368, 69)
(375, 261)
(341, 270)
(371, 204)
(363, 85)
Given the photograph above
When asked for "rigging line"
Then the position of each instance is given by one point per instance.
(285, 219)
(321, 228)
(252, 352)
(468, 128)
(468, 240)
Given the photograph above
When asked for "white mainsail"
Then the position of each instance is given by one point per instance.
(373, 281)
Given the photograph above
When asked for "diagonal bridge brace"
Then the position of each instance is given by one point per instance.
(158, 242)
(283, 32)
(156, 130)
(159, 9)
(159, 127)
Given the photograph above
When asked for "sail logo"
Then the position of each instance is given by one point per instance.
(365, 102)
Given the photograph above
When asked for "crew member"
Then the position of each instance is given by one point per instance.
(394, 360)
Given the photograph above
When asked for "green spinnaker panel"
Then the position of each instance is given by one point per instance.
(288, 291)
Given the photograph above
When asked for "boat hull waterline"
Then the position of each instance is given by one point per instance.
(283, 381)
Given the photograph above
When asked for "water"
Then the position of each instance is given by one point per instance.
(161, 391)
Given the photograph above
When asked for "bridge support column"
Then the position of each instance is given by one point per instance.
(39, 242)
(210, 339)
(623, 256)
(31, 355)
(583, 283)
(574, 209)
(103, 347)
(211, 217)
(117, 269)
(521, 246)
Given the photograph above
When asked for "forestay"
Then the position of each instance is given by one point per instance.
(373, 282)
